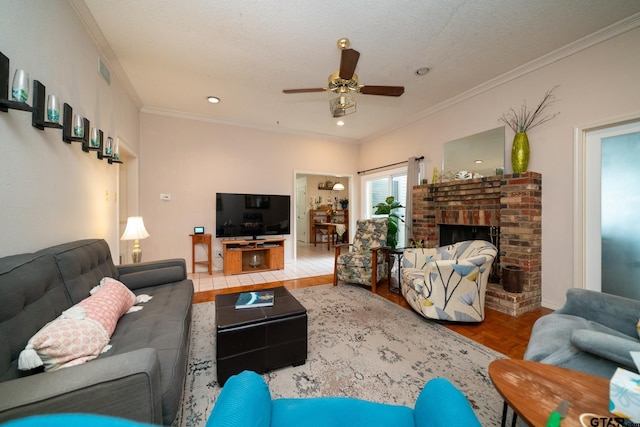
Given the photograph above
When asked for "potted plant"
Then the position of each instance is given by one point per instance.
(344, 203)
(389, 208)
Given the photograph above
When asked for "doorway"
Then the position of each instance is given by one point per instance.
(311, 192)
(608, 164)
(128, 196)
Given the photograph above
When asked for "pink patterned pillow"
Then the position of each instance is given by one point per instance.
(82, 332)
(108, 303)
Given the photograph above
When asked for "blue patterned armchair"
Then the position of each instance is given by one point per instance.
(449, 282)
(368, 250)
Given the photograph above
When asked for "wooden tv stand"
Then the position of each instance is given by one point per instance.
(238, 255)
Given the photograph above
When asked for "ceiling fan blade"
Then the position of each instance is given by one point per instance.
(382, 90)
(348, 63)
(315, 89)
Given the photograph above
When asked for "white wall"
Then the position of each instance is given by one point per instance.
(52, 192)
(597, 84)
(193, 159)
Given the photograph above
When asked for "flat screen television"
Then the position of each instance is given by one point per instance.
(252, 215)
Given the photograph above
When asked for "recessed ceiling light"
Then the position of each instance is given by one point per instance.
(213, 99)
(422, 71)
(340, 123)
(478, 161)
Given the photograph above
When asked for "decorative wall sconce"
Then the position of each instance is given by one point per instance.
(74, 131)
(46, 113)
(5, 102)
(106, 149)
(115, 157)
(52, 108)
(95, 142)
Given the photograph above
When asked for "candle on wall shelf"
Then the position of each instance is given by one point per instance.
(53, 109)
(108, 147)
(116, 151)
(78, 126)
(20, 87)
(95, 140)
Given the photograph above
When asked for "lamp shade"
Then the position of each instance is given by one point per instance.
(338, 186)
(135, 229)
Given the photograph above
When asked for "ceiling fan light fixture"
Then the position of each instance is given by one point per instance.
(342, 103)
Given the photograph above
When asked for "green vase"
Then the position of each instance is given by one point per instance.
(520, 153)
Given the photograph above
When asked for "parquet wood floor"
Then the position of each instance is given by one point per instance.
(500, 332)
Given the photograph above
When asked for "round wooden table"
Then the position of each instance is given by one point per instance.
(533, 390)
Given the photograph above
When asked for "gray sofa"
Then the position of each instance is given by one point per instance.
(141, 377)
(593, 332)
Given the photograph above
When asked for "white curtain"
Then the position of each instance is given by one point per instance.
(413, 178)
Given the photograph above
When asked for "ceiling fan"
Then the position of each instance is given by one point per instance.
(344, 83)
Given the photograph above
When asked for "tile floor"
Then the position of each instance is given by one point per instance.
(311, 261)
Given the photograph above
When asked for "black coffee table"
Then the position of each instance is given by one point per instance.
(259, 339)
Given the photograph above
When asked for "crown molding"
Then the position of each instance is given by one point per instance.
(203, 118)
(107, 54)
(607, 33)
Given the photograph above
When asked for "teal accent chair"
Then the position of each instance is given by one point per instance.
(245, 401)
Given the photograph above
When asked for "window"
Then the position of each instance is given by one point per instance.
(377, 187)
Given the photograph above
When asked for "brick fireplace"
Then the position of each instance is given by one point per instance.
(511, 202)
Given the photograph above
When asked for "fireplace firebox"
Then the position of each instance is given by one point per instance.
(454, 233)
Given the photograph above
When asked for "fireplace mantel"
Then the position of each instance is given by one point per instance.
(511, 202)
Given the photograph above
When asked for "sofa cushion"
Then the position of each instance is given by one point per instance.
(358, 260)
(163, 324)
(32, 294)
(611, 347)
(80, 333)
(157, 276)
(338, 411)
(82, 264)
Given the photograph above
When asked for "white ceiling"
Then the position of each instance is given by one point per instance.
(176, 53)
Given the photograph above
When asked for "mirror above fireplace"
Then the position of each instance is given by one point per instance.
(464, 154)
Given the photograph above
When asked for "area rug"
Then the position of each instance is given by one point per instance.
(359, 345)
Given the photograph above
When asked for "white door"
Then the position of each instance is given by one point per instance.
(612, 203)
(301, 210)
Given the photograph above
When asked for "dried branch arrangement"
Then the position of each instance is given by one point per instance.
(524, 120)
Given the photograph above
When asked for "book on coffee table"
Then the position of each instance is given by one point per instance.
(255, 299)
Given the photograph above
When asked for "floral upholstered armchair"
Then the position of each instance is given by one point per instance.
(368, 250)
(449, 282)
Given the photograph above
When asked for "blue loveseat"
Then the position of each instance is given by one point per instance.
(245, 401)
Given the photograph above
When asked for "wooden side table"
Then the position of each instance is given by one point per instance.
(204, 239)
(533, 390)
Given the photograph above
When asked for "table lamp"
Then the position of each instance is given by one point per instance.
(133, 231)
